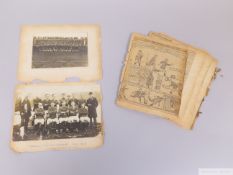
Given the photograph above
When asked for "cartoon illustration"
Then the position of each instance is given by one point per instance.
(138, 58)
(154, 78)
(140, 95)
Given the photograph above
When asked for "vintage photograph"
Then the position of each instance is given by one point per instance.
(53, 53)
(56, 112)
(56, 52)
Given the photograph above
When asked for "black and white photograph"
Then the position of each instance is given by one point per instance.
(62, 113)
(53, 53)
(59, 52)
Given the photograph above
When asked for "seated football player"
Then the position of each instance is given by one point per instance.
(52, 120)
(73, 116)
(83, 113)
(63, 117)
(39, 119)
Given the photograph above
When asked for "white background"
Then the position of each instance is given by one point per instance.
(135, 143)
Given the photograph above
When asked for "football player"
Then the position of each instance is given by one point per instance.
(63, 117)
(52, 120)
(73, 115)
(39, 119)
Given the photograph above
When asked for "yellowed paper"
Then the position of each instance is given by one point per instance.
(205, 69)
(197, 72)
(169, 39)
(153, 76)
(57, 116)
(55, 52)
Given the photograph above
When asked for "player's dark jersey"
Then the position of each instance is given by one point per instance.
(82, 111)
(63, 111)
(36, 101)
(69, 101)
(46, 104)
(81, 102)
(54, 101)
(63, 100)
(52, 111)
(73, 110)
(39, 113)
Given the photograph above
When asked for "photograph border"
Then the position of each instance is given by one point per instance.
(92, 72)
(59, 144)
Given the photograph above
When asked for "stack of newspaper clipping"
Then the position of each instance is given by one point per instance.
(165, 77)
